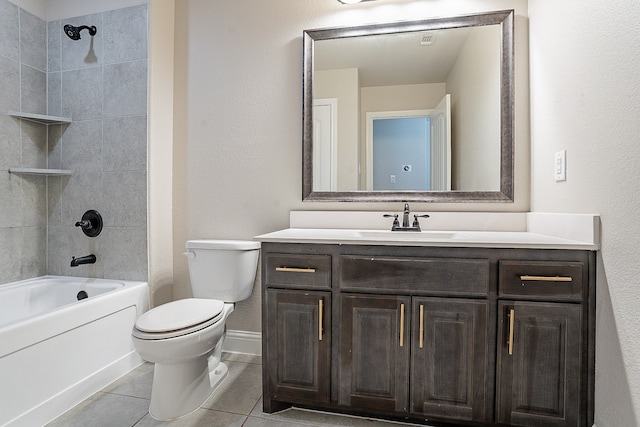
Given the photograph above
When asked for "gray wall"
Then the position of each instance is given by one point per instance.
(23, 220)
(101, 83)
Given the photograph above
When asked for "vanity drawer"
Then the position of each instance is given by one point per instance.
(560, 280)
(298, 270)
(415, 275)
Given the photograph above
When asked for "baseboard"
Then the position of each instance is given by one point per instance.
(244, 342)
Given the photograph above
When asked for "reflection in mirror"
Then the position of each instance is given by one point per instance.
(416, 111)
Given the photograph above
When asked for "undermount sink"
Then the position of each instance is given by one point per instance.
(405, 235)
(364, 235)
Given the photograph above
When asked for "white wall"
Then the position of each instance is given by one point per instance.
(160, 150)
(36, 7)
(585, 98)
(343, 85)
(238, 140)
(52, 10)
(475, 105)
(60, 9)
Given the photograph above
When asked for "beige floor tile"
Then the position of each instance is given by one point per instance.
(104, 410)
(240, 390)
(201, 417)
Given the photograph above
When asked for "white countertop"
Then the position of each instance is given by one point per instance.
(483, 239)
(536, 231)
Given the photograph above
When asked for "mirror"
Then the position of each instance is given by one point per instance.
(410, 111)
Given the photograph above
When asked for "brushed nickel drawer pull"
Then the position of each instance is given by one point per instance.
(546, 278)
(401, 325)
(421, 325)
(296, 270)
(512, 320)
(320, 308)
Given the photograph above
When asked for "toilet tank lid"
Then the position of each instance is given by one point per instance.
(231, 245)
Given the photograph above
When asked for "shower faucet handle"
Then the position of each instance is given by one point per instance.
(91, 223)
(85, 223)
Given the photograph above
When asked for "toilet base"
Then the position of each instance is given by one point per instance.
(179, 389)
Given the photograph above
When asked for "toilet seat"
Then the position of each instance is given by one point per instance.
(178, 318)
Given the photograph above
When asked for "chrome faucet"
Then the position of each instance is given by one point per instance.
(405, 220)
(89, 259)
(405, 216)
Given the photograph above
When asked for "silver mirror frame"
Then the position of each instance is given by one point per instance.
(505, 19)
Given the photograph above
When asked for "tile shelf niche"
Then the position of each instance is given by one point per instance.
(43, 119)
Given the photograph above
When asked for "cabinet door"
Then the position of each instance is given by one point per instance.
(539, 364)
(449, 362)
(374, 352)
(298, 345)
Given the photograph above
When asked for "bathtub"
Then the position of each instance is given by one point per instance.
(56, 349)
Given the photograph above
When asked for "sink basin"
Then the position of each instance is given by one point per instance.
(349, 235)
(405, 235)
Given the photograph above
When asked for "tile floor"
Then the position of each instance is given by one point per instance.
(238, 402)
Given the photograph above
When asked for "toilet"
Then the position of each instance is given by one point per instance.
(184, 337)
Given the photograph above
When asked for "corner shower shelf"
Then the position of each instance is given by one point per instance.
(41, 118)
(36, 171)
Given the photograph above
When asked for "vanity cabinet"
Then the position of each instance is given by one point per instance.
(299, 344)
(541, 356)
(450, 359)
(374, 353)
(540, 364)
(298, 338)
(424, 356)
(482, 336)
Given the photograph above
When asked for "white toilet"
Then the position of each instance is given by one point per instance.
(184, 337)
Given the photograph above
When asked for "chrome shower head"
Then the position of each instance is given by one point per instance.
(74, 32)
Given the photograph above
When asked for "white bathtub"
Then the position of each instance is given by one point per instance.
(56, 350)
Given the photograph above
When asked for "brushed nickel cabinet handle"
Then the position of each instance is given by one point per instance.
(421, 325)
(512, 320)
(401, 325)
(546, 278)
(320, 308)
(296, 270)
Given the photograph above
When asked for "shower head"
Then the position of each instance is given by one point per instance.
(74, 32)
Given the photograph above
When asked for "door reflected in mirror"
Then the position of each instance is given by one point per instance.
(366, 83)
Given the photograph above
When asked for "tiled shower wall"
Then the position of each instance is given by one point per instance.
(101, 83)
(23, 199)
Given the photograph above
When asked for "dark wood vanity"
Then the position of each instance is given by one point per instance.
(453, 335)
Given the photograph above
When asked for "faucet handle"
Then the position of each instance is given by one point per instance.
(85, 223)
(415, 220)
(396, 223)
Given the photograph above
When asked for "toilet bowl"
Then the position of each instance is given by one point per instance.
(184, 337)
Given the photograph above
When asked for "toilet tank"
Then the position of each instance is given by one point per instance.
(222, 269)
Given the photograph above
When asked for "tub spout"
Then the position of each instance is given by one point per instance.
(89, 259)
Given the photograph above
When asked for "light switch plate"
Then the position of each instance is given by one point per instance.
(560, 166)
